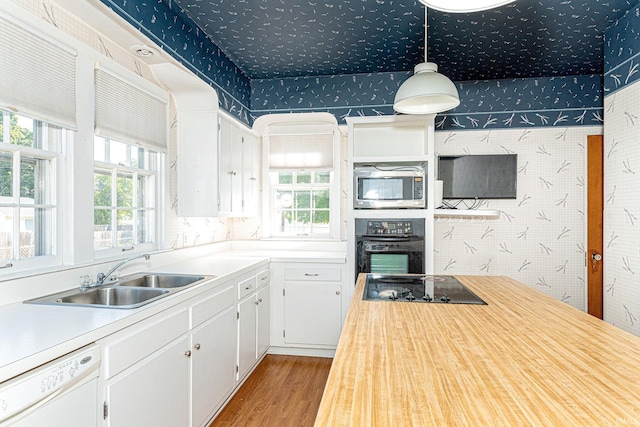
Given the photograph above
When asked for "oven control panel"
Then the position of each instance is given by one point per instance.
(385, 227)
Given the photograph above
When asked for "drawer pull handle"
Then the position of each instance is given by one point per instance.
(311, 274)
(187, 353)
(9, 265)
(197, 346)
(263, 278)
(247, 288)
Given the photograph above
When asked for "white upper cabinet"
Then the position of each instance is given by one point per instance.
(197, 153)
(239, 164)
(197, 164)
(250, 174)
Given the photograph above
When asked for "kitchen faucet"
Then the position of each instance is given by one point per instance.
(101, 277)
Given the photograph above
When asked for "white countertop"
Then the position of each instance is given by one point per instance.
(331, 257)
(33, 334)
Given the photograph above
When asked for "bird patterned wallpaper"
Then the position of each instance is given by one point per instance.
(294, 38)
(178, 35)
(621, 256)
(491, 104)
(269, 45)
(539, 237)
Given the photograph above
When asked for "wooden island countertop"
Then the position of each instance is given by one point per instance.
(523, 359)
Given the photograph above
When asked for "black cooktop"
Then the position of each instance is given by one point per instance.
(420, 288)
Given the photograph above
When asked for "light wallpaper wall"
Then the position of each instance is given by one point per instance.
(539, 237)
(621, 257)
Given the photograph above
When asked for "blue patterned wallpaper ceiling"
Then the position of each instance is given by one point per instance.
(292, 38)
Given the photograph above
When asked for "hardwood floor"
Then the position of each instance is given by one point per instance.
(282, 391)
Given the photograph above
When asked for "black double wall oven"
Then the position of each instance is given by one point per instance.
(390, 246)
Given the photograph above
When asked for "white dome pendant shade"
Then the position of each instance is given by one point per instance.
(427, 91)
(464, 6)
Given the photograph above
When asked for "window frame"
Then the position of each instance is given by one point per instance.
(56, 198)
(269, 209)
(155, 170)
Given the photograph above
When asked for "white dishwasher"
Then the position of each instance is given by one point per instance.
(60, 393)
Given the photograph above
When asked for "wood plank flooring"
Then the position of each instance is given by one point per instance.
(282, 391)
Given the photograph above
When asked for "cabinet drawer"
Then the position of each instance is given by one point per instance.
(324, 274)
(212, 305)
(138, 344)
(246, 287)
(263, 278)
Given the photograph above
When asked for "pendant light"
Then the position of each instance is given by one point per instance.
(464, 6)
(427, 91)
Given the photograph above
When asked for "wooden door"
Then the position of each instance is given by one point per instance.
(594, 224)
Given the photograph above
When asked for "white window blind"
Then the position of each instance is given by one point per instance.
(128, 112)
(301, 152)
(37, 75)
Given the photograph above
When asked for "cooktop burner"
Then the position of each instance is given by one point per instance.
(418, 288)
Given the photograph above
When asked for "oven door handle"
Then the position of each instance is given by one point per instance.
(390, 239)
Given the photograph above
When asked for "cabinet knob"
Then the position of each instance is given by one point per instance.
(197, 346)
(187, 353)
(259, 299)
(337, 292)
(257, 302)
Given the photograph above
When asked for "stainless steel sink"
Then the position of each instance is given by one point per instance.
(159, 280)
(131, 291)
(104, 296)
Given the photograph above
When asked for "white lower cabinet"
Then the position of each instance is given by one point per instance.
(174, 369)
(312, 313)
(213, 356)
(264, 321)
(154, 392)
(307, 306)
(253, 321)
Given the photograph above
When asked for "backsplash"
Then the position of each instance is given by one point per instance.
(622, 174)
(539, 238)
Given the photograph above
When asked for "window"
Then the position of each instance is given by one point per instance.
(301, 203)
(125, 183)
(29, 151)
(304, 194)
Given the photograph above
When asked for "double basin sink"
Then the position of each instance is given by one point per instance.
(128, 292)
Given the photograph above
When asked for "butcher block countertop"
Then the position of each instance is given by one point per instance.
(523, 359)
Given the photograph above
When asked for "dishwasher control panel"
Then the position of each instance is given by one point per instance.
(38, 386)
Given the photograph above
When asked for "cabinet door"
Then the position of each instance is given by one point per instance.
(312, 313)
(197, 163)
(154, 392)
(264, 310)
(213, 365)
(246, 335)
(250, 174)
(225, 168)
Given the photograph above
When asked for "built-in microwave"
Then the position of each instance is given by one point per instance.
(389, 186)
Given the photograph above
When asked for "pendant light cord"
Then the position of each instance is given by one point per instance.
(426, 32)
